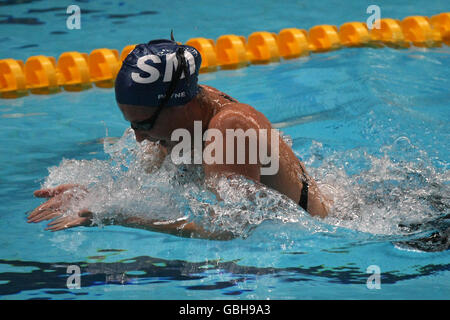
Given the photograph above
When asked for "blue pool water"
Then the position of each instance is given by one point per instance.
(371, 125)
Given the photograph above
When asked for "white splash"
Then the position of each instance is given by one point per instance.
(384, 194)
(376, 195)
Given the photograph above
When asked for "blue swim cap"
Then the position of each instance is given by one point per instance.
(147, 72)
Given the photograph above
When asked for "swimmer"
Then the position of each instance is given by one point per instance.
(157, 92)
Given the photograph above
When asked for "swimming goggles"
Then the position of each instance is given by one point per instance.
(148, 124)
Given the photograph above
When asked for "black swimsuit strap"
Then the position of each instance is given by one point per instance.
(303, 202)
(227, 97)
(304, 196)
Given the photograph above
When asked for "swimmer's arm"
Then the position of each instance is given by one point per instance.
(246, 118)
(179, 227)
(241, 117)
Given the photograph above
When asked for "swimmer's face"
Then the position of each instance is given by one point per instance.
(169, 119)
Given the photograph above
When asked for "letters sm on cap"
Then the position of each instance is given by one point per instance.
(147, 73)
(154, 74)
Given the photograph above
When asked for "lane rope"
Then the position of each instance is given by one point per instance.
(75, 71)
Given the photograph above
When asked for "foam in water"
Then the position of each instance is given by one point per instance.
(389, 194)
(385, 195)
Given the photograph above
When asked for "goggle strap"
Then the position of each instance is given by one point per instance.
(181, 66)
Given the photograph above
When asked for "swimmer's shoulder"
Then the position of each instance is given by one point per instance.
(234, 114)
(239, 116)
(212, 92)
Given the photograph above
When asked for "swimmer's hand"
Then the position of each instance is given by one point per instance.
(84, 218)
(57, 205)
(51, 192)
(61, 196)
